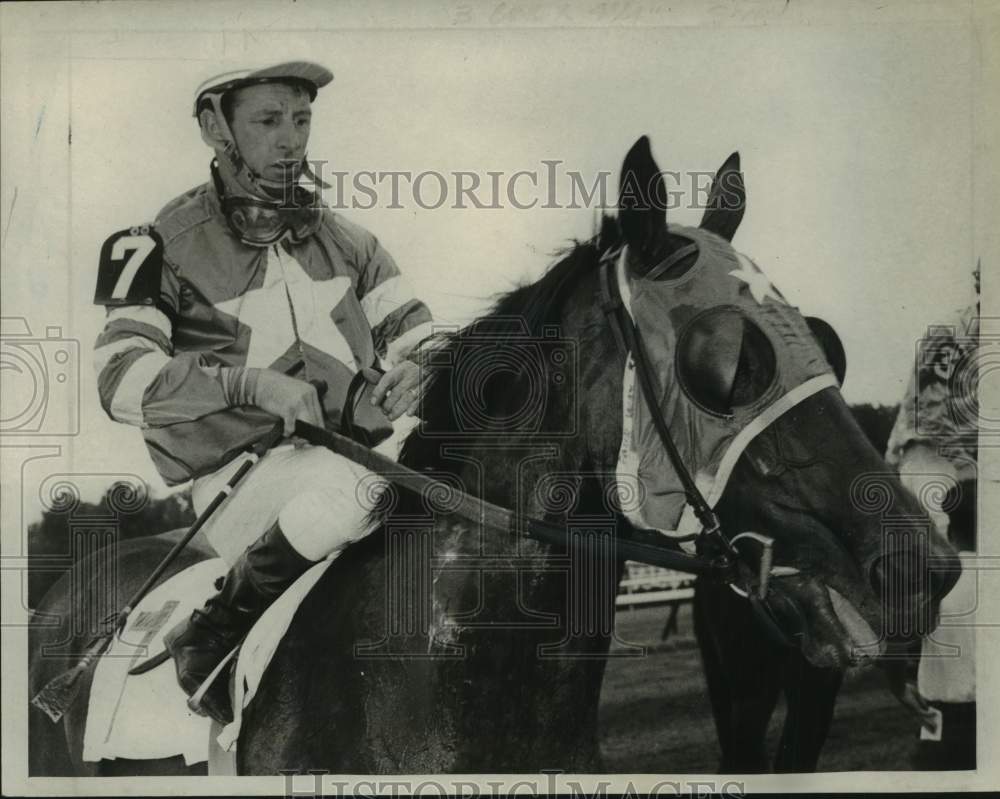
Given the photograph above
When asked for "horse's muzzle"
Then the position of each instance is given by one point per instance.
(910, 582)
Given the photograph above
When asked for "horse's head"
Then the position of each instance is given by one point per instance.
(750, 391)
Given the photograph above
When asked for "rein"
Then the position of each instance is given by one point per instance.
(641, 545)
(715, 555)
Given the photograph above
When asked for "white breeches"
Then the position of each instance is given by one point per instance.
(320, 500)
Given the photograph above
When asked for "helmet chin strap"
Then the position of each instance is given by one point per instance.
(237, 175)
(241, 181)
(312, 176)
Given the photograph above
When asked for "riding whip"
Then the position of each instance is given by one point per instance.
(60, 693)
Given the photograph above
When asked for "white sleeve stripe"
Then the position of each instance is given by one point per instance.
(146, 314)
(399, 348)
(103, 355)
(126, 405)
(385, 298)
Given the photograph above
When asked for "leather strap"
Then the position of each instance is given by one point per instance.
(627, 333)
(356, 386)
(642, 546)
(611, 301)
(675, 257)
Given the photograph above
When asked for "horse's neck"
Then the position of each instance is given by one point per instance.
(580, 431)
(501, 630)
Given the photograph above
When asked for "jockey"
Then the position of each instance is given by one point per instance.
(264, 293)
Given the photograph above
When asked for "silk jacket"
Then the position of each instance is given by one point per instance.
(321, 310)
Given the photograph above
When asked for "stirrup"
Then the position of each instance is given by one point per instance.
(149, 663)
(194, 701)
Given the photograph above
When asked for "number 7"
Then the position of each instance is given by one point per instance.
(141, 247)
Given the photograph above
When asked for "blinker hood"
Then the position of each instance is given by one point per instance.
(696, 327)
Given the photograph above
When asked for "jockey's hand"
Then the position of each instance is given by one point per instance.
(398, 390)
(288, 398)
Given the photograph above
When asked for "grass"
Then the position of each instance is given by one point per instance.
(656, 717)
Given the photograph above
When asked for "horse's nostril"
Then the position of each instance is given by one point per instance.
(910, 573)
(902, 579)
(905, 584)
(944, 573)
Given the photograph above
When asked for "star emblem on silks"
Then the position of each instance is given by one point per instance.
(760, 287)
(267, 311)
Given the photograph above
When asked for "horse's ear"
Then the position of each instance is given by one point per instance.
(642, 200)
(831, 345)
(609, 233)
(727, 200)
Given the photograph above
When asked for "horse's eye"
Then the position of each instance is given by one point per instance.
(724, 361)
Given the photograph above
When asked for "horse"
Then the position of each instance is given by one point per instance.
(745, 672)
(438, 644)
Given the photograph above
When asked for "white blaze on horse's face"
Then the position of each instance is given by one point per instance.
(696, 327)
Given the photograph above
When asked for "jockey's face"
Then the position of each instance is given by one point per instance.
(270, 123)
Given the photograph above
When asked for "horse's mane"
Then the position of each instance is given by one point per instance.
(530, 309)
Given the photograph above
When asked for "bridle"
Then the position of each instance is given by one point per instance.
(716, 557)
(727, 562)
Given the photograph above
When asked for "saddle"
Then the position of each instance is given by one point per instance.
(145, 716)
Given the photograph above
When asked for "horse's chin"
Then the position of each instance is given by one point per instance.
(865, 643)
(838, 635)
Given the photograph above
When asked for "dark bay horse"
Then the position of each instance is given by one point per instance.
(746, 672)
(435, 645)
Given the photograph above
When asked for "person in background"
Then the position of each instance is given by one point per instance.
(934, 446)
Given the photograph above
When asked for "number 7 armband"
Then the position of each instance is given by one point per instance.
(130, 267)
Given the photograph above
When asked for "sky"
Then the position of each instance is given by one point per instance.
(856, 134)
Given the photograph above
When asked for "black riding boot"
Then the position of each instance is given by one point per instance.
(257, 579)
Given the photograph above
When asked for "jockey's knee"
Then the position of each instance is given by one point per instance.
(320, 523)
(320, 499)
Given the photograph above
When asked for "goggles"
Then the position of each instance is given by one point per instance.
(261, 223)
